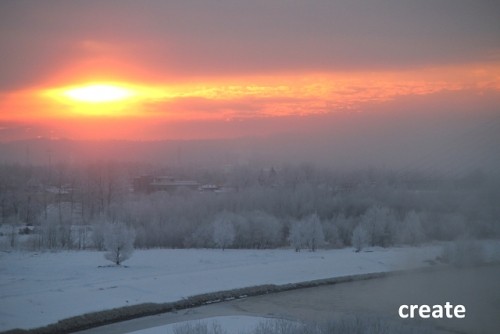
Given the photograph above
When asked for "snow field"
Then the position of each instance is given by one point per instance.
(37, 289)
(229, 324)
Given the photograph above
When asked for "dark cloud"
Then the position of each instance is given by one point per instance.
(217, 38)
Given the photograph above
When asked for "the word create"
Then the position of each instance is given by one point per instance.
(436, 311)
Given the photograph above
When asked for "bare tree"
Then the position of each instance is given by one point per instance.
(118, 242)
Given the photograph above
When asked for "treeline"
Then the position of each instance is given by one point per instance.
(299, 206)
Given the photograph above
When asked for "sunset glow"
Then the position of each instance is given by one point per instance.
(287, 94)
(99, 93)
(101, 99)
(183, 70)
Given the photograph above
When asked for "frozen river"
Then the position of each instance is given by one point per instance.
(478, 289)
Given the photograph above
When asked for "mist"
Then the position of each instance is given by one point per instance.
(434, 140)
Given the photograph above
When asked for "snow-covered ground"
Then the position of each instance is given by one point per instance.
(40, 288)
(229, 324)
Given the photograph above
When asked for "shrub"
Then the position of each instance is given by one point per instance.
(463, 253)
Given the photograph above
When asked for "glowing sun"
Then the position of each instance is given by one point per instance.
(95, 99)
(98, 93)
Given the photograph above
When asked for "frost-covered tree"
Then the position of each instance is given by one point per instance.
(452, 226)
(98, 230)
(360, 238)
(54, 231)
(332, 234)
(314, 232)
(379, 223)
(463, 252)
(12, 231)
(261, 230)
(307, 232)
(345, 227)
(411, 231)
(118, 242)
(296, 236)
(224, 231)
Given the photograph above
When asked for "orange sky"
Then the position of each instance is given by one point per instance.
(230, 98)
(169, 80)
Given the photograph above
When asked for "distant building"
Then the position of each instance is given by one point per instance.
(149, 184)
(142, 184)
(209, 188)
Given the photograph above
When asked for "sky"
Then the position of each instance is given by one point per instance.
(154, 69)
